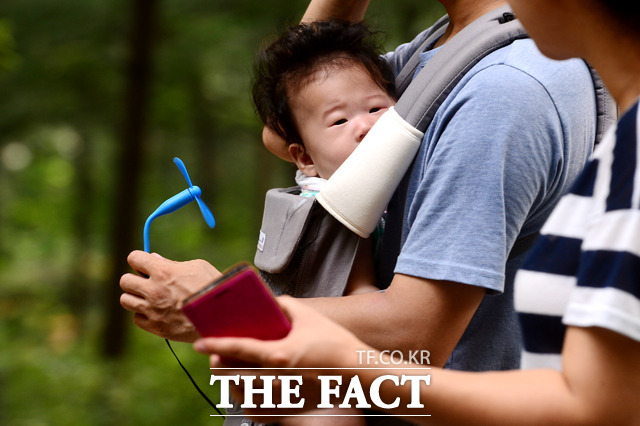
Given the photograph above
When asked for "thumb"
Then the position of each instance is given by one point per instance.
(144, 262)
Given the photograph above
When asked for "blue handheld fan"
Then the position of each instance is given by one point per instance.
(192, 193)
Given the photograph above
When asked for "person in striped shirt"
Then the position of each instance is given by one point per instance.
(578, 292)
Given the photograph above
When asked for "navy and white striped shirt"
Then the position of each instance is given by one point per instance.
(584, 270)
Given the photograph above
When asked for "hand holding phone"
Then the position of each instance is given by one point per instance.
(237, 305)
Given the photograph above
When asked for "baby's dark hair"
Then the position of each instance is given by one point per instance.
(286, 64)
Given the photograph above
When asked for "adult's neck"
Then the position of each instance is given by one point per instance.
(621, 76)
(620, 72)
(613, 50)
(463, 12)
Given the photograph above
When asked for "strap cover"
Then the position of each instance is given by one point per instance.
(383, 156)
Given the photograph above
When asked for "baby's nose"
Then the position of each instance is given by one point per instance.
(364, 124)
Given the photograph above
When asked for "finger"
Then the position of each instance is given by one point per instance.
(290, 304)
(244, 349)
(132, 302)
(229, 366)
(134, 284)
(144, 262)
(215, 361)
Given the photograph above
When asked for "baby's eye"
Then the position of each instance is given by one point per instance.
(339, 122)
(374, 110)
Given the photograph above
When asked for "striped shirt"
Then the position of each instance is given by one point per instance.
(584, 269)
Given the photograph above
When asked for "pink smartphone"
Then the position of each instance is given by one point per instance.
(238, 304)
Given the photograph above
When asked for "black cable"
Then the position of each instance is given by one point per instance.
(193, 381)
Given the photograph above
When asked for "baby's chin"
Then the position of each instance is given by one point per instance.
(326, 174)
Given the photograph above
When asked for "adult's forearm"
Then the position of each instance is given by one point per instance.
(348, 10)
(377, 322)
(453, 397)
(599, 384)
(411, 315)
(356, 313)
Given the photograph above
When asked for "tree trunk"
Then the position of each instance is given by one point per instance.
(129, 163)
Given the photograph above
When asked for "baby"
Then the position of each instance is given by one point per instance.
(320, 87)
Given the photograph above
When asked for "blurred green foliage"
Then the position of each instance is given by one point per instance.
(62, 77)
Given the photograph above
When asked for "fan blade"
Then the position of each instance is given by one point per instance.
(208, 216)
(183, 169)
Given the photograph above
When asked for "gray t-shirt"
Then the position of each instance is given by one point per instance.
(501, 150)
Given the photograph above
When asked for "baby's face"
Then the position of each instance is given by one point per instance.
(334, 111)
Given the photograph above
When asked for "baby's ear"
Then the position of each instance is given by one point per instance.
(302, 159)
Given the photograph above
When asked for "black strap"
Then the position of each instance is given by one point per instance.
(193, 381)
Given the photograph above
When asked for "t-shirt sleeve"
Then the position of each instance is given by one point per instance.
(498, 150)
(607, 291)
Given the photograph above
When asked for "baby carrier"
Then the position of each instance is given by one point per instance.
(303, 251)
(307, 245)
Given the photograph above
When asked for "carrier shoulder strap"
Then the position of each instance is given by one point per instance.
(404, 77)
(421, 96)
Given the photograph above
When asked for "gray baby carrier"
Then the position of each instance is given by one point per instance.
(307, 247)
(303, 251)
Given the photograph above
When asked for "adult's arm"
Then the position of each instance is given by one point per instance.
(412, 314)
(599, 382)
(348, 10)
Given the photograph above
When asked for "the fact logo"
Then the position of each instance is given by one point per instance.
(331, 389)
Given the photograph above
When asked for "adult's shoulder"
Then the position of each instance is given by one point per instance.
(525, 56)
(520, 72)
(398, 57)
